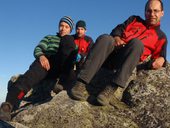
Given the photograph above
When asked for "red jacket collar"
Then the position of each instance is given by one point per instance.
(79, 37)
(153, 26)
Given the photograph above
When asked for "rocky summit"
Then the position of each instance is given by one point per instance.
(145, 104)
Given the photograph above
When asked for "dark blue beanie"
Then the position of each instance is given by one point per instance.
(81, 23)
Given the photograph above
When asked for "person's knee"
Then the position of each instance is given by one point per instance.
(103, 36)
(105, 39)
(137, 44)
(67, 41)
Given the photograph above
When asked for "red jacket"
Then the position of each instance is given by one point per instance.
(154, 40)
(84, 44)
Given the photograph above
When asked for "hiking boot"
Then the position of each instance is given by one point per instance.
(60, 83)
(105, 96)
(5, 111)
(119, 93)
(57, 88)
(79, 91)
(116, 103)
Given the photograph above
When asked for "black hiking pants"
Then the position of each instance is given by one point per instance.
(61, 63)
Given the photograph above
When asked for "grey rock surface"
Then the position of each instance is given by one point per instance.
(147, 105)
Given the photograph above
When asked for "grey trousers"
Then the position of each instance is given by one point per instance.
(104, 53)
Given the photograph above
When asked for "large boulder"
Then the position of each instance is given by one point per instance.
(147, 105)
(149, 97)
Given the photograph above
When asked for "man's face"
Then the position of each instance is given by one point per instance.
(153, 12)
(64, 29)
(80, 31)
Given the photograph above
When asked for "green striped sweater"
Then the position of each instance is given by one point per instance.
(48, 46)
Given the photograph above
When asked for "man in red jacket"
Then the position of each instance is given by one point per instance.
(130, 43)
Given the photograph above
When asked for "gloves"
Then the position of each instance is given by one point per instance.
(78, 57)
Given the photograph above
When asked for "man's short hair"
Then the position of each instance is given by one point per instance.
(162, 6)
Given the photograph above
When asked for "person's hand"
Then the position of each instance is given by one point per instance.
(158, 63)
(44, 62)
(119, 42)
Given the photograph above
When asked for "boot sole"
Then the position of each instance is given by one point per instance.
(79, 97)
(103, 102)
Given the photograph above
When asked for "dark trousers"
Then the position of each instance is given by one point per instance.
(60, 63)
(104, 52)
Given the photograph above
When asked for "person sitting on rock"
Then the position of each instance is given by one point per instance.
(84, 44)
(54, 56)
(129, 44)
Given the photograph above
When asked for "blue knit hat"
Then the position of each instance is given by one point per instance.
(68, 20)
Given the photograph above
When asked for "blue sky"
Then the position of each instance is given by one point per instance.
(23, 23)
